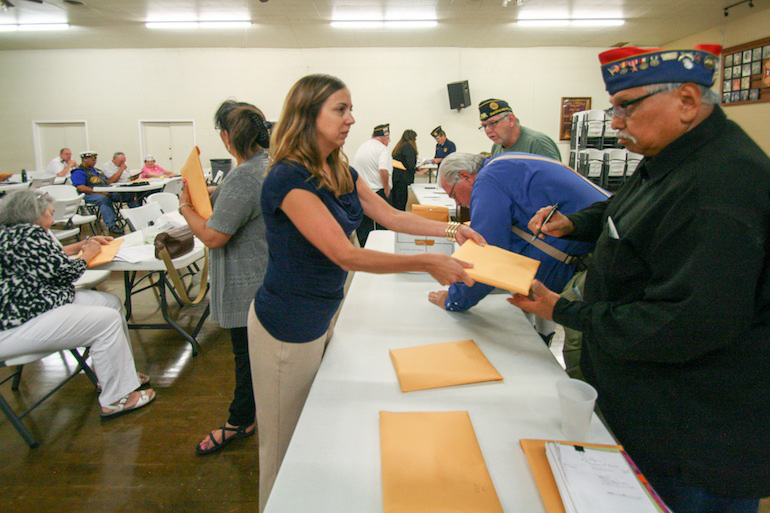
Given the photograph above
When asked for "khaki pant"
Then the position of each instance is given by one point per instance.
(573, 339)
(282, 373)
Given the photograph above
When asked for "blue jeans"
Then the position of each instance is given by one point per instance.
(105, 207)
(683, 498)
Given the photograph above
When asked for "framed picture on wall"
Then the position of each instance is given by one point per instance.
(570, 106)
(745, 75)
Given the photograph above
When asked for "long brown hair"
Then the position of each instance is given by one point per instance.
(295, 137)
(408, 137)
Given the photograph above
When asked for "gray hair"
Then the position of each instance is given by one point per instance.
(708, 97)
(455, 163)
(24, 206)
(117, 154)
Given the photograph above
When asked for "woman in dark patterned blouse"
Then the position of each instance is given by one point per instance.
(41, 311)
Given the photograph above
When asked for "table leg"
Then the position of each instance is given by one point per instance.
(164, 309)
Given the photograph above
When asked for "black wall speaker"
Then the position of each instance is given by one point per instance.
(459, 95)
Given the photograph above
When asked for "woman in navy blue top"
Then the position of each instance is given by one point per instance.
(312, 201)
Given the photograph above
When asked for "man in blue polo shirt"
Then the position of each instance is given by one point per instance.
(444, 147)
(85, 177)
(503, 193)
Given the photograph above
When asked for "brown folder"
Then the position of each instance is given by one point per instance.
(432, 463)
(498, 267)
(432, 212)
(534, 450)
(442, 365)
(107, 254)
(398, 165)
(196, 184)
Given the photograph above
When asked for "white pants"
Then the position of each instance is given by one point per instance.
(94, 319)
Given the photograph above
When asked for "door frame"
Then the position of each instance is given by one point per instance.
(39, 164)
(143, 148)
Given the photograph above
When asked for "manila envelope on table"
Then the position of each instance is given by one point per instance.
(498, 267)
(432, 463)
(196, 184)
(442, 365)
(534, 450)
(432, 212)
(107, 253)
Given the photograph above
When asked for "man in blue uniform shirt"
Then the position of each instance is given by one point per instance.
(85, 177)
(503, 196)
(444, 147)
(676, 330)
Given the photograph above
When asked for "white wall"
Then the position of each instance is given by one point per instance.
(113, 89)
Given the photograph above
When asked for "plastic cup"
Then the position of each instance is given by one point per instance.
(576, 400)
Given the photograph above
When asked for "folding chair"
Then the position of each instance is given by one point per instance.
(173, 186)
(168, 202)
(19, 362)
(141, 217)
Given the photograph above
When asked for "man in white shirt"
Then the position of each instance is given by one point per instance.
(63, 164)
(375, 165)
(117, 166)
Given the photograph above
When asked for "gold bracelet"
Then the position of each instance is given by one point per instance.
(451, 230)
(184, 205)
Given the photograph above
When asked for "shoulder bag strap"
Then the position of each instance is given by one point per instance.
(179, 284)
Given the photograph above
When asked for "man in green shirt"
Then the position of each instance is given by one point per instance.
(505, 131)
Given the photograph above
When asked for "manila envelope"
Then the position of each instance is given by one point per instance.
(196, 184)
(432, 212)
(498, 267)
(398, 165)
(534, 450)
(432, 463)
(107, 254)
(442, 365)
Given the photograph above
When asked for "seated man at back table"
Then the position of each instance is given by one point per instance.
(63, 164)
(502, 192)
(85, 177)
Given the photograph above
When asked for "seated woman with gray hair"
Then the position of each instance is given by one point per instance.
(41, 311)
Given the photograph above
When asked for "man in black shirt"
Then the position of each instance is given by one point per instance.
(676, 311)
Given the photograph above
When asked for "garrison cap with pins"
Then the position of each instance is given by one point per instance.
(437, 131)
(88, 155)
(381, 130)
(492, 107)
(628, 67)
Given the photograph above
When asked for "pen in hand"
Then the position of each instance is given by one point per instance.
(547, 218)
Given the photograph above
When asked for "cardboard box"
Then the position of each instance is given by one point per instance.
(415, 244)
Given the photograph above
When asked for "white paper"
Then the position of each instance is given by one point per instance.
(134, 254)
(596, 481)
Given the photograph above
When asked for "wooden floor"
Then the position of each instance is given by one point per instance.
(142, 462)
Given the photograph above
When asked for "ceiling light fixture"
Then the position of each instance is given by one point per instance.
(600, 22)
(193, 25)
(33, 27)
(352, 24)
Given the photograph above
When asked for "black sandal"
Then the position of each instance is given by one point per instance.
(240, 432)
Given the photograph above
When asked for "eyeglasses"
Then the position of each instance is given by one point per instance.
(491, 124)
(621, 110)
(452, 190)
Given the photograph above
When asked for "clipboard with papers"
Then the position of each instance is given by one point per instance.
(577, 477)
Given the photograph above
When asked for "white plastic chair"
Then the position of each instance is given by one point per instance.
(19, 362)
(617, 158)
(173, 186)
(592, 160)
(595, 121)
(218, 177)
(633, 162)
(66, 192)
(141, 217)
(168, 202)
(63, 212)
(42, 181)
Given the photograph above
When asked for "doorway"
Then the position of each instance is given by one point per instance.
(50, 137)
(169, 142)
